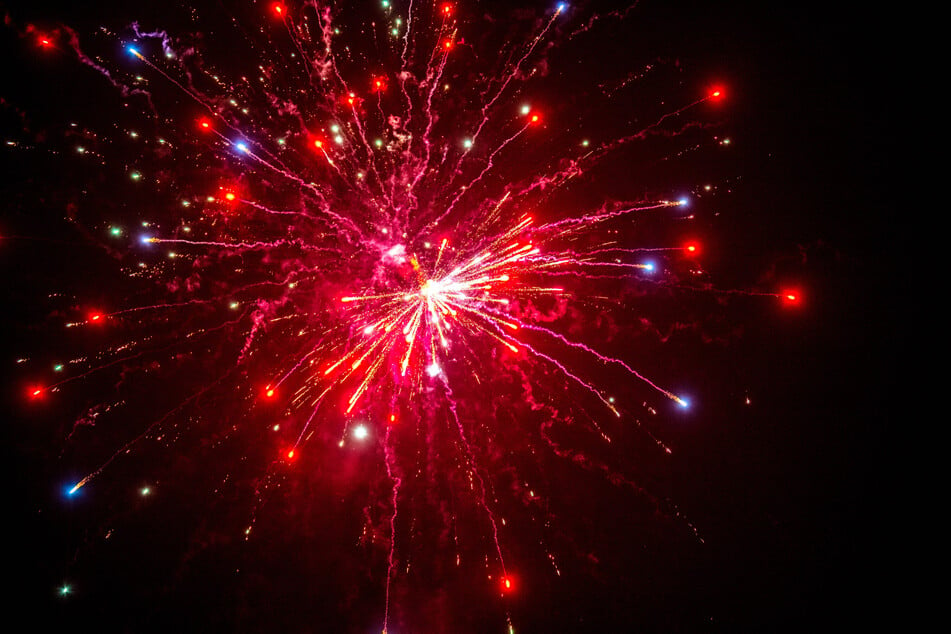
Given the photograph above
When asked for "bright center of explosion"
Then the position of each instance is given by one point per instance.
(433, 288)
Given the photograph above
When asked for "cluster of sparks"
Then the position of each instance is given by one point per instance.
(419, 257)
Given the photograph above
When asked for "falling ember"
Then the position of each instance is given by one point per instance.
(791, 296)
(375, 245)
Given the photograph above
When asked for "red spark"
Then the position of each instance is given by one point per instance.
(693, 248)
(96, 317)
(278, 8)
(228, 193)
(204, 124)
(35, 392)
(716, 93)
(351, 99)
(791, 296)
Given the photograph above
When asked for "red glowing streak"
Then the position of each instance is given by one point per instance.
(692, 248)
(716, 93)
(35, 392)
(204, 124)
(507, 584)
(791, 296)
(279, 9)
(534, 118)
(95, 317)
(290, 454)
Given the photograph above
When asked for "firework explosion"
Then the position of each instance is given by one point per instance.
(369, 234)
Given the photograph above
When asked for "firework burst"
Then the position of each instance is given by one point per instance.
(357, 232)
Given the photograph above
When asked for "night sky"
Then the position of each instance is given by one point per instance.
(779, 506)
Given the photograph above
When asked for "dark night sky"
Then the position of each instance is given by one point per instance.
(796, 496)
